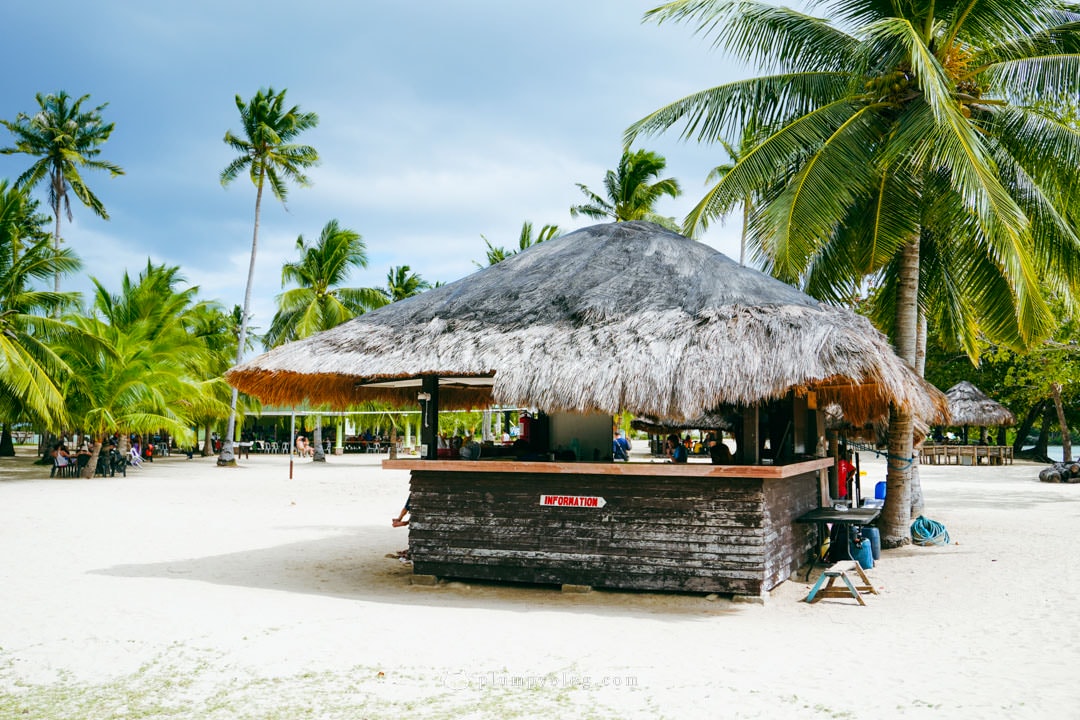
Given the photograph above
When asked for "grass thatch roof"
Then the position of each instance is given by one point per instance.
(617, 317)
(664, 426)
(970, 406)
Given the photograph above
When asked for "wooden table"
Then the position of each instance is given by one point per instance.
(823, 516)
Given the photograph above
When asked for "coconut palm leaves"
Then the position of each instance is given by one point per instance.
(66, 139)
(867, 122)
(526, 239)
(319, 302)
(632, 191)
(269, 155)
(401, 283)
(145, 372)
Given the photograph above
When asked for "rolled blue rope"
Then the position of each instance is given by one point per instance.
(925, 531)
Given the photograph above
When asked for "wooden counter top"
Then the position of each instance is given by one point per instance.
(611, 468)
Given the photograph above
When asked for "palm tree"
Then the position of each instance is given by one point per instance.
(148, 380)
(632, 191)
(526, 240)
(319, 302)
(899, 129)
(31, 372)
(218, 331)
(402, 283)
(269, 156)
(66, 139)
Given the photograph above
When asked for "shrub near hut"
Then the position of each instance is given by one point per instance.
(1061, 472)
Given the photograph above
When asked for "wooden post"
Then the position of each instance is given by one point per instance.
(429, 418)
(749, 442)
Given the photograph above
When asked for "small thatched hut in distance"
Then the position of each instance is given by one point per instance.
(625, 317)
(970, 407)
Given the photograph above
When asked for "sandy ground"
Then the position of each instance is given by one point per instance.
(189, 591)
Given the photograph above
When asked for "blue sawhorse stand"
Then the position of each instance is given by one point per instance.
(839, 571)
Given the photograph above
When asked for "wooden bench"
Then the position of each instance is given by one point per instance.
(839, 571)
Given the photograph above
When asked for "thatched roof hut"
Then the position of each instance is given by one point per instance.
(616, 317)
(970, 406)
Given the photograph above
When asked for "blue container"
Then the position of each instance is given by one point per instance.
(862, 553)
(873, 535)
(879, 491)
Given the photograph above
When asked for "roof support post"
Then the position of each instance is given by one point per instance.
(749, 442)
(429, 418)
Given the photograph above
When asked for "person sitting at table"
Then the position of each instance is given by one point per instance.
(676, 450)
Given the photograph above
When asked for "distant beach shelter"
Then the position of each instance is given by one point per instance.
(970, 407)
(625, 317)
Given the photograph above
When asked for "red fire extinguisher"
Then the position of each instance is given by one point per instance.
(525, 425)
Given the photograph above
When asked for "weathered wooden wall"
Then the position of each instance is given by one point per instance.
(694, 534)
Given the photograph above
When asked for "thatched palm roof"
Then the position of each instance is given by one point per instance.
(663, 426)
(970, 406)
(614, 317)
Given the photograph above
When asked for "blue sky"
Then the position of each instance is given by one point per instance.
(439, 121)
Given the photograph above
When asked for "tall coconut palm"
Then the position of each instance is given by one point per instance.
(268, 155)
(526, 239)
(402, 283)
(319, 302)
(66, 139)
(897, 129)
(632, 191)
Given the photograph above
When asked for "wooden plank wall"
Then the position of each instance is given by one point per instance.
(791, 543)
(654, 533)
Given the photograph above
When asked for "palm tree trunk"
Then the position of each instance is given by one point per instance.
(227, 457)
(91, 466)
(1066, 440)
(1042, 445)
(320, 454)
(208, 445)
(917, 500)
(1024, 428)
(57, 195)
(7, 444)
(896, 515)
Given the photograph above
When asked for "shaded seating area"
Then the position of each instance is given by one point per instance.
(948, 454)
(970, 407)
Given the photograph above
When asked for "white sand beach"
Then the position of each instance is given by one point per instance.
(190, 591)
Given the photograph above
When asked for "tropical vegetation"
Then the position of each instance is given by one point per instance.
(902, 144)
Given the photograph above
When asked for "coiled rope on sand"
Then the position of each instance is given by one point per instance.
(925, 531)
